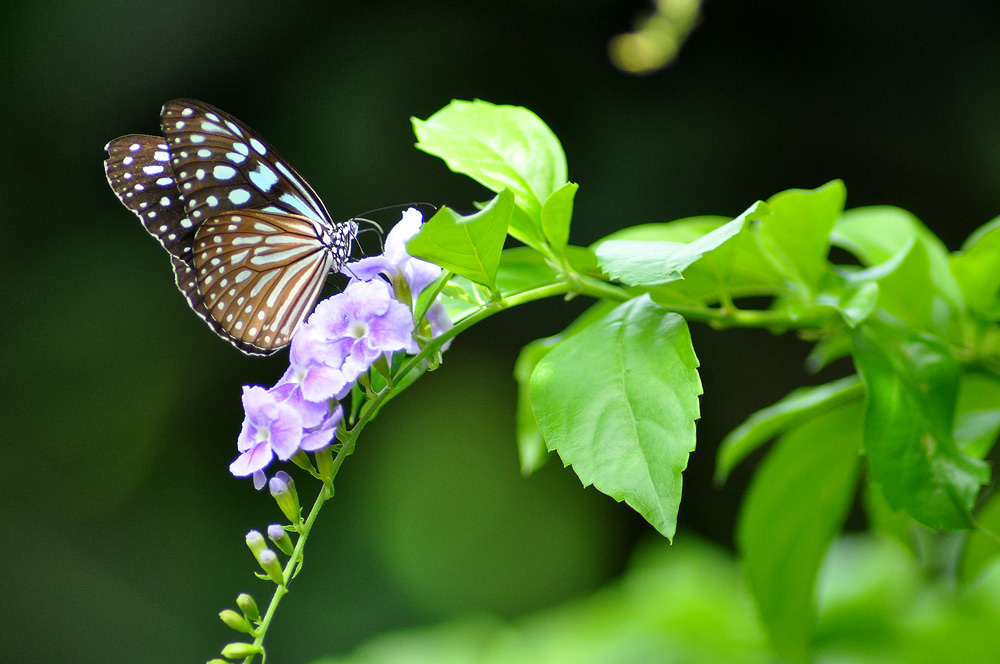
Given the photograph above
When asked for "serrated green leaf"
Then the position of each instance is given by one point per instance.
(798, 406)
(653, 263)
(795, 506)
(618, 402)
(734, 269)
(912, 387)
(468, 246)
(531, 448)
(557, 211)
(501, 147)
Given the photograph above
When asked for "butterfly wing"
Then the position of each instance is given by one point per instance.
(223, 165)
(251, 243)
(139, 171)
(255, 276)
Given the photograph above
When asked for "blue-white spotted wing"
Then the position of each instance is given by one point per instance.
(250, 241)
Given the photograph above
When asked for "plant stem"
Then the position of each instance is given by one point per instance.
(295, 560)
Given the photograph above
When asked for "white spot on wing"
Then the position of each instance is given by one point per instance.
(239, 196)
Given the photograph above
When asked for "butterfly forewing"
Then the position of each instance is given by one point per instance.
(222, 165)
(139, 171)
(250, 241)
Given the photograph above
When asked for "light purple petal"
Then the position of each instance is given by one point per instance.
(419, 275)
(440, 322)
(391, 331)
(317, 440)
(286, 432)
(369, 268)
(322, 383)
(251, 461)
(404, 230)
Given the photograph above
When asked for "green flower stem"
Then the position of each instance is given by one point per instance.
(295, 560)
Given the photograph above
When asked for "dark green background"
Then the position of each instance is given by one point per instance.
(122, 531)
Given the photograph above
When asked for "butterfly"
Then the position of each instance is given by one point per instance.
(250, 242)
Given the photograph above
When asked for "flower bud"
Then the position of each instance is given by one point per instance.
(239, 650)
(277, 534)
(248, 606)
(216, 660)
(324, 464)
(283, 491)
(235, 621)
(269, 563)
(256, 543)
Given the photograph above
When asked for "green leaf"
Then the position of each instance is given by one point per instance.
(858, 304)
(557, 211)
(912, 387)
(652, 263)
(618, 402)
(795, 506)
(977, 270)
(982, 547)
(530, 445)
(796, 234)
(877, 234)
(734, 269)
(911, 294)
(501, 147)
(977, 415)
(468, 246)
(791, 411)
(523, 268)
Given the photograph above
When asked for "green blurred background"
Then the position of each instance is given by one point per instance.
(122, 529)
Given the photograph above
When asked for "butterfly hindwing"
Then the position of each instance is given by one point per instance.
(259, 274)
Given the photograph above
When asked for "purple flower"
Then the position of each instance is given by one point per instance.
(270, 427)
(395, 263)
(280, 422)
(314, 368)
(353, 328)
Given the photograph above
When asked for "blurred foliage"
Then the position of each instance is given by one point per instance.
(686, 604)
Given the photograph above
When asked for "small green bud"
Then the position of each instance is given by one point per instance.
(216, 660)
(277, 534)
(235, 621)
(283, 491)
(239, 650)
(256, 543)
(269, 563)
(324, 464)
(249, 607)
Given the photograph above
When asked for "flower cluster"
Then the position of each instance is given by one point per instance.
(344, 336)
